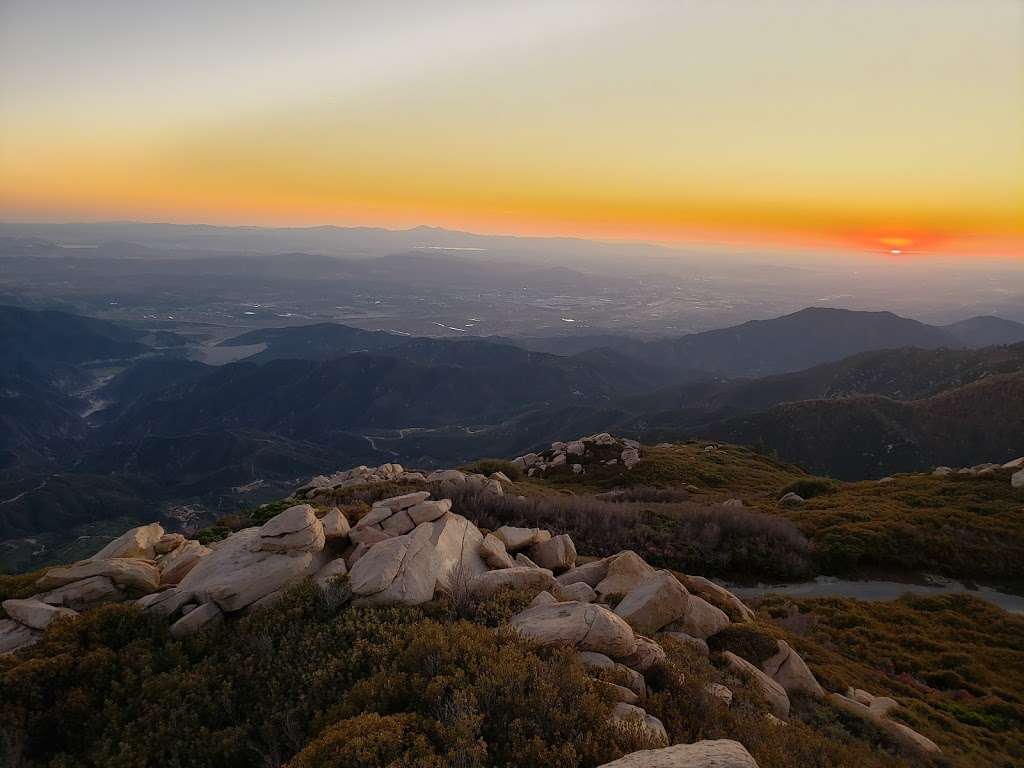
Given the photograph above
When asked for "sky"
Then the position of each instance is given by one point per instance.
(888, 125)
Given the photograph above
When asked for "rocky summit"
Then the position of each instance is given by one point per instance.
(546, 610)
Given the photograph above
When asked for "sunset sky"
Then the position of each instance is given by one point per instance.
(873, 124)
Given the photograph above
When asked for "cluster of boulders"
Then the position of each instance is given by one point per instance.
(601, 448)
(139, 562)
(615, 613)
(441, 480)
(983, 470)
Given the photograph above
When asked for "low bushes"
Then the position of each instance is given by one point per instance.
(684, 536)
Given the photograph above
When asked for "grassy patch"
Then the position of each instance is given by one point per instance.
(956, 664)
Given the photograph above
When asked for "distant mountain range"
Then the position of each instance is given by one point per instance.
(852, 394)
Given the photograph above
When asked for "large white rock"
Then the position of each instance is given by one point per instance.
(492, 550)
(578, 591)
(177, 563)
(714, 593)
(398, 524)
(14, 636)
(788, 669)
(557, 553)
(238, 572)
(457, 542)
(590, 573)
(775, 694)
(35, 614)
(702, 619)
(79, 594)
(206, 615)
(647, 654)
(138, 574)
(521, 538)
(1017, 479)
(720, 753)
(657, 601)
(428, 511)
(414, 561)
(631, 715)
(297, 529)
(624, 571)
(530, 579)
(167, 543)
(335, 525)
(137, 542)
(584, 626)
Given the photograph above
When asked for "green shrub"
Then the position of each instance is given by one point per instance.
(745, 640)
(372, 741)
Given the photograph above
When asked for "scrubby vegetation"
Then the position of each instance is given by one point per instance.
(311, 682)
(958, 525)
(956, 663)
(684, 536)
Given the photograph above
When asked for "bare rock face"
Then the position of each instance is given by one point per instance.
(492, 550)
(14, 636)
(400, 571)
(702, 619)
(647, 654)
(719, 753)
(206, 615)
(542, 598)
(775, 694)
(557, 553)
(586, 627)
(335, 525)
(624, 571)
(788, 669)
(1017, 479)
(137, 542)
(167, 543)
(176, 564)
(399, 523)
(35, 614)
(297, 529)
(530, 579)
(515, 539)
(655, 602)
(457, 542)
(591, 573)
(79, 594)
(240, 572)
(428, 511)
(125, 572)
(631, 715)
(579, 592)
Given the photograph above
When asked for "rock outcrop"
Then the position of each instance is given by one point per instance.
(583, 626)
(721, 753)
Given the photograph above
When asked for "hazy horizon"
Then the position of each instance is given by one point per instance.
(869, 127)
